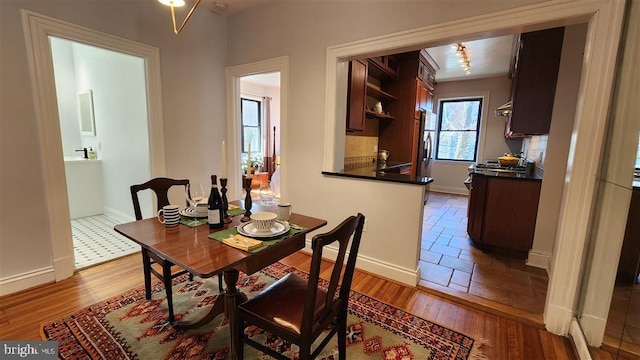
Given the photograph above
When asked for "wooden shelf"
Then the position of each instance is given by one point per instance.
(371, 114)
(379, 94)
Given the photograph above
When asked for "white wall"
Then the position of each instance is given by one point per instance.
(119, 103)
(303, 33)
(449, 176)
(558, 142)
(67, 95)
(192, 70)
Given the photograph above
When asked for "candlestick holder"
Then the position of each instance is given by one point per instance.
(225, 202)
(247, 199)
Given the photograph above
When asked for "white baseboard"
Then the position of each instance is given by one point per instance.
(539, 260)
(64, 266)
(449, 189)
(557, 319)
(593, 329)
(377, 267)
(119, 215)
(27, 280)
(579, 340)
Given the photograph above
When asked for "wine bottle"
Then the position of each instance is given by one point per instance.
(214, 207)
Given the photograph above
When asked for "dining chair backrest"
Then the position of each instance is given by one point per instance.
(333, 304)
(160, 187)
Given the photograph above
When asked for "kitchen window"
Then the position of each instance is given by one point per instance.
(458, 126)
(251, 111)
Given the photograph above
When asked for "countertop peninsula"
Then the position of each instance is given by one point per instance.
(381, 172)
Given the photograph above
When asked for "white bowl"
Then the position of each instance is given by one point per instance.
(202, 209)
(263, 220)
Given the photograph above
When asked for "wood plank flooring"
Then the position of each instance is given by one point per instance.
(22, 313)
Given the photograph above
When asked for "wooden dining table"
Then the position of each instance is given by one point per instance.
(193, 250)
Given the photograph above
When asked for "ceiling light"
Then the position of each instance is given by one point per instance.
(178, 3)
(463, 57)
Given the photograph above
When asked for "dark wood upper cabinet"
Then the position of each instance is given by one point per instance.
(356, 95)
(534, 78)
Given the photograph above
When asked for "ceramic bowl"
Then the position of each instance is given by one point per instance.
(263, 220)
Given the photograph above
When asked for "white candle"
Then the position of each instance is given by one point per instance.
(224, 161)
(249, 160)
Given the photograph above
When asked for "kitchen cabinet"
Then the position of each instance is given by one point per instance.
(534, 76)
(413, 94)
(356, 95)
(384, 64)
(503, 211)
(475, 210)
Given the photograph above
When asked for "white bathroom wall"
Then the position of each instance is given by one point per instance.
(66, 93)
(119, 96)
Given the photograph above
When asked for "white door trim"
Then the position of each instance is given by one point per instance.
(37, 29)
(234, 73)
(605, 21)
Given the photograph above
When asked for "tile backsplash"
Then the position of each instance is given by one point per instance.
(535, 148)
(360, 148)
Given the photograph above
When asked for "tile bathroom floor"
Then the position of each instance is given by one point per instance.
(451, 264)
(95, 241)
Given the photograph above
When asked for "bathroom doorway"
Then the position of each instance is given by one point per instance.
(101, 96)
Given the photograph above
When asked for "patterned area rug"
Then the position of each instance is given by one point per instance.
(130, 327)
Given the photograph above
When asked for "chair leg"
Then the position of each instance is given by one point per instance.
(146, 267)
(305, 351)
(166, 274)
(341, 333)
(239, 352)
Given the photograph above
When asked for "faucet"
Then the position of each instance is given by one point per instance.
(85, 153)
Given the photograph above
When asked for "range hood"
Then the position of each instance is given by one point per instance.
(504, 109)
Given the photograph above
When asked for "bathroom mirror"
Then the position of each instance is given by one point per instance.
(85, 108)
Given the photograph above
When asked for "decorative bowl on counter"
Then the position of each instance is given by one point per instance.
(508, 160)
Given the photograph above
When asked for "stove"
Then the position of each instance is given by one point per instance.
(494, 165)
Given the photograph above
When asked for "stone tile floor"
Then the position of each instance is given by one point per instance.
(449, 261)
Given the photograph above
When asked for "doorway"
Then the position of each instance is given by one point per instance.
(260, 124)
(252, 77)
(40, 28)
(100, 92)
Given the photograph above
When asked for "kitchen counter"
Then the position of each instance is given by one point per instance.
(382, 174)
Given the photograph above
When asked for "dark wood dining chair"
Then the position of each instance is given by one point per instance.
(160, 187)
(299, 310)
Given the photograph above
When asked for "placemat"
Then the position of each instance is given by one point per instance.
(186, 220)
(221, 235)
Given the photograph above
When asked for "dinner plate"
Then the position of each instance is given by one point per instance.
(190, 212)
(248, 229)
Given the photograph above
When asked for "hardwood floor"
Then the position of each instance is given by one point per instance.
(22, 313)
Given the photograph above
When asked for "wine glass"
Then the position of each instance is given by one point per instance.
(266, 194)
(194, 194)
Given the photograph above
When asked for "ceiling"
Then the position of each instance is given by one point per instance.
(230, 7)
(269, 79)
(487, 57)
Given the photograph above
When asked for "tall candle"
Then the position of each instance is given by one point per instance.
(249, 160)
(224, 161)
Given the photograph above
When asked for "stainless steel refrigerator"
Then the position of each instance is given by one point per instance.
(424, 154)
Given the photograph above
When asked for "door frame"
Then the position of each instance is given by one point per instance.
(604, 20)
(234, 73)
(37, 29)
